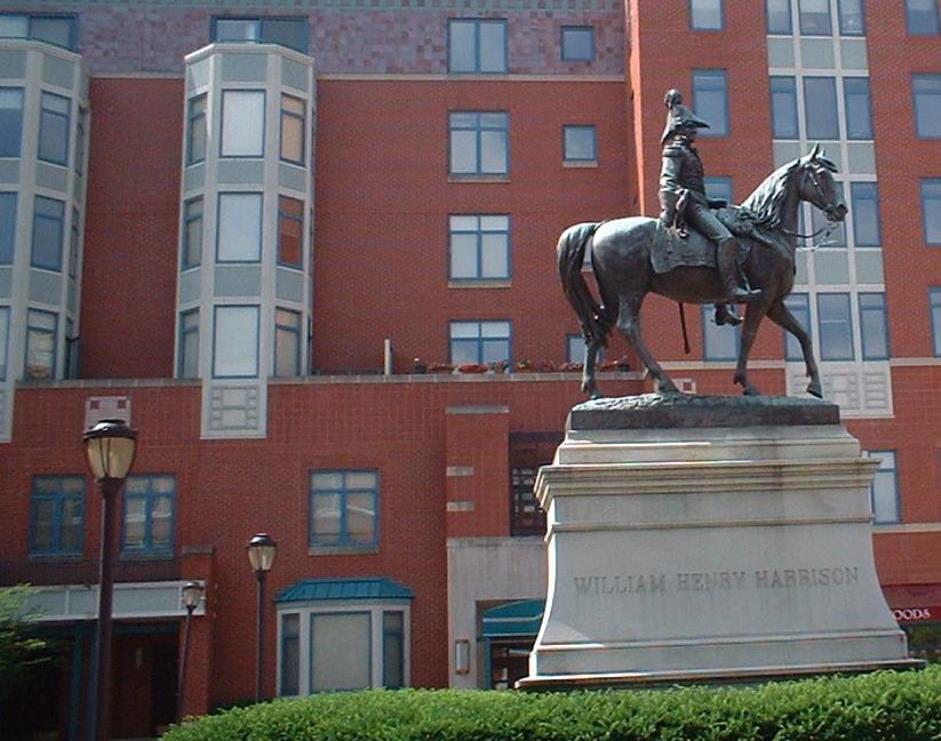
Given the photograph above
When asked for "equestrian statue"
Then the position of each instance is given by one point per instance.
(698, 251)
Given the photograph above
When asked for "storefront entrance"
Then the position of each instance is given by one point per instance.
(508, 633)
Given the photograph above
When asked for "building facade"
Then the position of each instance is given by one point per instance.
(307, 251)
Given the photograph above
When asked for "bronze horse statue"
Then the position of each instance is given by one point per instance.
(621, 252)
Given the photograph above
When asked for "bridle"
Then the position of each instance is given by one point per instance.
(828, 228)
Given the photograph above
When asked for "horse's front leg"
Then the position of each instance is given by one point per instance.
(753, 316)
(629, 326)
(782, 316)
(589, 385)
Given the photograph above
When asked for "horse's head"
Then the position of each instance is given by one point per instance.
(817, 185)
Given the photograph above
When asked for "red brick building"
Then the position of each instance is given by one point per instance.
(258, 230)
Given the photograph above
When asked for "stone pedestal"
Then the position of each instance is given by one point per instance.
(709, 538)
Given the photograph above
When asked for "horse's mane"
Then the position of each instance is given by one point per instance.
(767, 201)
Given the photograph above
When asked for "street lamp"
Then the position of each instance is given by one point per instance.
(109, 451)
(192, 594)
(261, 554)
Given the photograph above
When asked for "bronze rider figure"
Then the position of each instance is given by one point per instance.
(682, 170)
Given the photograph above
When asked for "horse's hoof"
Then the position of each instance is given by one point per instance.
(751, 391)
(814, 390)
(596, 395)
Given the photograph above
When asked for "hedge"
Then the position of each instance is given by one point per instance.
(883, 705)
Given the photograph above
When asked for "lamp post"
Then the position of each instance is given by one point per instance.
(109, 451)
(192, 594)
(261, 554)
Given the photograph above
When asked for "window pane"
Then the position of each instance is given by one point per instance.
(784, 108)
(327, 481)
(73, 524)
(578, 43)
(464, 255)
(495, 256)
(931, 205)
(290, 32)
(852, 18)
(292, 129)
(360, 517)
(40, 344)
(237, 30)
(858, 119)
(820, 107)
(927, 89)
(196, 142)
(462, 46)
(287, 352)
(11, 121)
(56, 31)
(719, 343)
(463, 152)
(884, 490)
(239, 227)
(192, 232)
(161, 528)
(866, 214)
(243, 123)
(393, 663)
(579, 142)
(290, 654)
(14, 26)
(325, 518)
(493, 152)
(465, 351)
(135, 523)
(710, 100)
(718, 189)
(492, 46)
(339, 652)
(814, 17)
(7, 227)
(290, 231)
(189, 345)
(836, 329)
(43, 525)
(873, 326)
(799, 305)
(779, 16)
(54, 129)
(360, 480)
(48, 215)
(706, 14)
(493, 351)
(4, 340)
(837, 235)
(921, 17)
(236, 342)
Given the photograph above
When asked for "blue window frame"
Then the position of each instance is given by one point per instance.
(11, 121)
(7, 227)
(57, 516)
(41, 331)
(867, 231)
(711, 100)
(479, 143)
(476, 45)
(858, 108)
(778, 17)
(784, 108)
(196, 130)
(243, 124)
(479, 247)
(814, 17)
(719, 343)
(579, 143)
(820, 111)
(835, 325)
(54, 116)
(578, 43)
(884, 490)
(238, 229)
(192, 233)
(926, 91)
(188, 363)
(852, 17)
(48, 217)
(480, 342)
(921, 17)
(931, 210)
(706, 15)
(149, 503)
(4, 340)
(59, 30)
(287, 342)
(873, 326)
(235, 341)
(799, 305)
(344, 508)
(934, 300)
(292, 32)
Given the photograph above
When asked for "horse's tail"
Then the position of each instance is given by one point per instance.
(571, 252)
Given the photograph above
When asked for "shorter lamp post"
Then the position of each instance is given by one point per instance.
(192, 594)
(261, 554)
(109, 451)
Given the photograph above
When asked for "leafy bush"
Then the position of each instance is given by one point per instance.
(884, 705)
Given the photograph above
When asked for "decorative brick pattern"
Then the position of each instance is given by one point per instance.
(234, 409)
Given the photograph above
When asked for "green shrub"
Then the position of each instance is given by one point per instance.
(884, 705)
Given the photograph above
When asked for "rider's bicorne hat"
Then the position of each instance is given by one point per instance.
(679, 116)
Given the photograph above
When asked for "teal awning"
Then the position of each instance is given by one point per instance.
(312, 590)
(521, 618)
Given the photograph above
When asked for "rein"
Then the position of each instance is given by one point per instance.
(828, 229)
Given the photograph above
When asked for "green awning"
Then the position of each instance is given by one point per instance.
(313, 590)
(521, 618)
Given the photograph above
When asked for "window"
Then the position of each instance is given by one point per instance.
(289, 678)
(574, 348)
(293, 125)
(480, 247)
(931, 210)
(239, 230)
(479, 143)
(189, 345)
(579, 144)
(192, 233)
(196, 133)
(4, 340)
(866, 229)
(711, 100)
(526, 516)
(11, 121)
(934, 296)
(53, 29)
(480, 342)
(719, 343)
(884, 491)
(40, 362)
(7, 227)
(784, 108)
(837, 231)
(852, 17)
(874, 328)
(835, 326)
(287, 343)
(814, 17)
(344, 507)
(80, 126)
(858, 112)
(779, 17)
(921, 17)
(799, 305)
(57, 515)
(290, 231)
(74, 234)
(72, 350)
(148, 515)
(54, 129)
(48, 215)
(705, 15)
(393, 649)
(718, 189)
(820, 108)
(927, 93)
(235, 342)
(290, 32)
(477, 45)
(578, 43)
(243, 123)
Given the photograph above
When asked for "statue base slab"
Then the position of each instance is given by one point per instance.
(709, 539)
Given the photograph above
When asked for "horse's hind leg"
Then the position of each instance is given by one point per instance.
(589, 385)
(629, 326)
